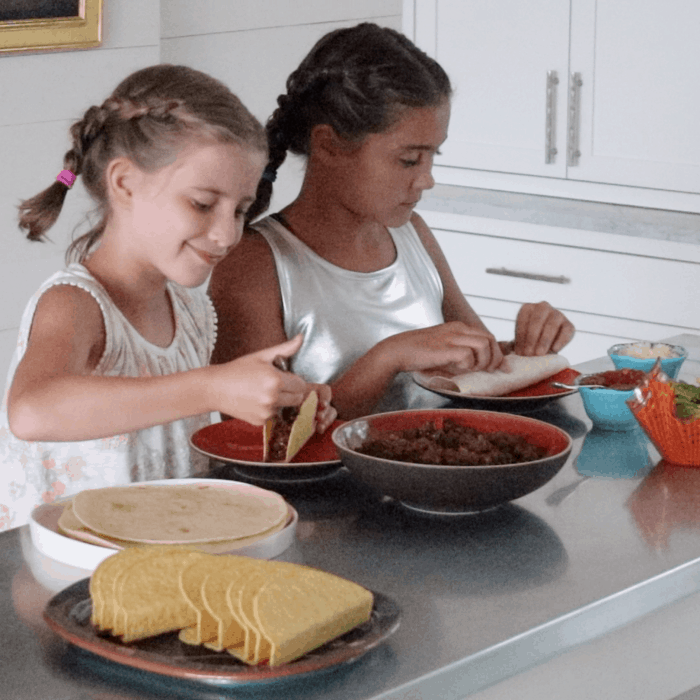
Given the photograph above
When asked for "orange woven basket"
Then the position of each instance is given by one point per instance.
(677, 441)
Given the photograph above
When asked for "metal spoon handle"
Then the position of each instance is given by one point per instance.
(559, 385)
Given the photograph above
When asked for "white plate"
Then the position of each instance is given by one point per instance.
(48, 539)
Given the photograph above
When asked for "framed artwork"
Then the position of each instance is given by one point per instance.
(49, 25)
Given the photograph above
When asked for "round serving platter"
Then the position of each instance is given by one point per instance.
(68, 614)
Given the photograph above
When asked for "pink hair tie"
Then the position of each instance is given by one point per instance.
(66, 177)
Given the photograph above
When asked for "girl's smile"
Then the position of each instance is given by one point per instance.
(209, 258)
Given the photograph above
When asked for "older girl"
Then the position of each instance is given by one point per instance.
(348, 262)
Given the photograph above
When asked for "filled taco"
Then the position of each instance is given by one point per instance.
(287, 432)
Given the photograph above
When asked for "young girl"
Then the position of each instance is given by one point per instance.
(348, 262)
(110, 376)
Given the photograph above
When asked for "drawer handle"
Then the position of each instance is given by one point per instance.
(528, 275)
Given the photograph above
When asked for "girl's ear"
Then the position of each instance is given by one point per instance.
(120, 179)
(327, 145)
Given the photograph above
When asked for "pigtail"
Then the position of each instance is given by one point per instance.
(279, 140)
(39, 213)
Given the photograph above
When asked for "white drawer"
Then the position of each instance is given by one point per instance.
(615, 284)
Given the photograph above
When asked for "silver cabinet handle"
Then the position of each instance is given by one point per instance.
(573, 149)
(560, 279)
(550, 129)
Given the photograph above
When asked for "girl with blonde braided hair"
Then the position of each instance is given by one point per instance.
(348, 262)
(111, 374)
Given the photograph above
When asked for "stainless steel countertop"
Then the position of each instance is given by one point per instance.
(611, 538)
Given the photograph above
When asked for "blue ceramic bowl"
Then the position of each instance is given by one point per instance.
(670, 365)
(607, 408)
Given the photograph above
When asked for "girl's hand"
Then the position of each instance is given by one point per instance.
(325, 413)
(453, 347)
(251, 388)
(540, 329)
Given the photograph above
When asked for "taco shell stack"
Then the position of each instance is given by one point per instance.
(259, 611)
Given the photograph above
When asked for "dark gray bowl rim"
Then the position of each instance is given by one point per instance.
(562, 453)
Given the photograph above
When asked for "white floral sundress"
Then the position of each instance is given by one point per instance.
(32, 473)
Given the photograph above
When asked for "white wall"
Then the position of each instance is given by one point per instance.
(40, 96)
(250, 44)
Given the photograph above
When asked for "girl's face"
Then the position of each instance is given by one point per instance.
(189, 214)
(384, 178)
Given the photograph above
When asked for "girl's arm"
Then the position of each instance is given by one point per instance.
(245, 292)
(455, 306)
(55, 397)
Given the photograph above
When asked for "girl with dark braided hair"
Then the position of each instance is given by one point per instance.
(111, 374)
(349, 263)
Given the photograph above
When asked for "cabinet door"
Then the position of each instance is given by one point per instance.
(498, 54)
(639, 64)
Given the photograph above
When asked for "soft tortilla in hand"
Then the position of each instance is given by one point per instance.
(524, 371)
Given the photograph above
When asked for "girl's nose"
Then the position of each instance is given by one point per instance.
(425, 181)
(227, 231)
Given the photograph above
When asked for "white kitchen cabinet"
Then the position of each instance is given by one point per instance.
(498, 55)
(639, 63)
(622, 113)
(614, 288)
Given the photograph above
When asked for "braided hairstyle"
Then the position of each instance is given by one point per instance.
(358, 80)
(150, 116)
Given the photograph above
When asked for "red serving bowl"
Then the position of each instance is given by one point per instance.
(448, 489)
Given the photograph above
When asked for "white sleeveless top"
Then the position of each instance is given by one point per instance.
(343, 313)
(39, 472)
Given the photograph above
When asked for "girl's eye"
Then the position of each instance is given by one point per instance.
(201, 206)
(411, 163)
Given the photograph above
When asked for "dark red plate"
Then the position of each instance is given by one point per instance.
(238, 442)
(528, 399)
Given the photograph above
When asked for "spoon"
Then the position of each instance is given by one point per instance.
(560, 385)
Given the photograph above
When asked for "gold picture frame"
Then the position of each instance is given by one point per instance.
(34, 32)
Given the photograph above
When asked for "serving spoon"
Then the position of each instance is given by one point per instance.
(560, 385)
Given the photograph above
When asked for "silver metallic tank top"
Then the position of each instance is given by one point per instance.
(343, 313)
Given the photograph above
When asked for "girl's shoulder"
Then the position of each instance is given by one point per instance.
(417, 226)
(249, 264)
(71, 293)
(193, 302)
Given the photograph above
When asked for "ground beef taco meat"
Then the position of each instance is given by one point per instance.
(281, 431)
(452, 444)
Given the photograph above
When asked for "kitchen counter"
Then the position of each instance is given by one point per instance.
(513, 601)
